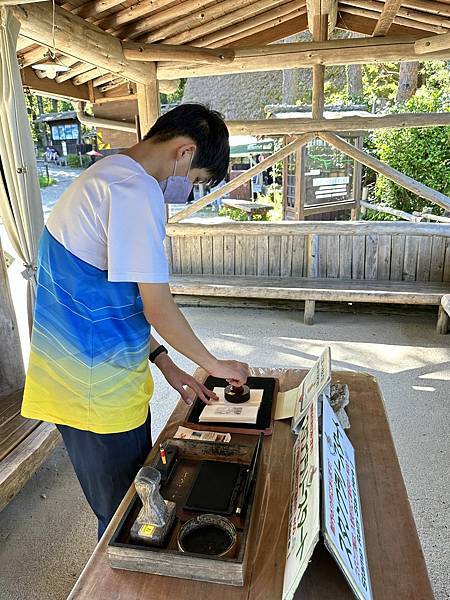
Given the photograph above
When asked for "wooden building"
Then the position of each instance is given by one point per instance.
(119, 51)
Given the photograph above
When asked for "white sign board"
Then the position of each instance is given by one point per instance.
(304, 513)
(342, 525)
(316, 381)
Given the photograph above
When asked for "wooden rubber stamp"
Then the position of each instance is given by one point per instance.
(237, 395)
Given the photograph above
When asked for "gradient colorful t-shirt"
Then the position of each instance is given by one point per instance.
(88, 364)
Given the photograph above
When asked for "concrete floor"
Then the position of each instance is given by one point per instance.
(47, 532)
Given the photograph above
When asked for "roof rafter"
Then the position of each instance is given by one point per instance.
(261, 23)
(77, 38)
(244, 11)
(390, 10)
(266, 19)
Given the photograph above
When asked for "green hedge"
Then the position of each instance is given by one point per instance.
(73, 160)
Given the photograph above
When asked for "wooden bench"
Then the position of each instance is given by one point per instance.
(24, 444)
(444, 314)
(311, 290)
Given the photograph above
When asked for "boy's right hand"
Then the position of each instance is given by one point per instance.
(233, 371)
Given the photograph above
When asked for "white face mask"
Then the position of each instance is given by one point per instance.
(176, 188)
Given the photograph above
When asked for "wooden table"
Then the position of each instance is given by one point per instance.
(396, 562)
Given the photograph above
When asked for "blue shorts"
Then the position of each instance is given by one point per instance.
(106, 464)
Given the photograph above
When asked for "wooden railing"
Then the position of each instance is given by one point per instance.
(357, 250)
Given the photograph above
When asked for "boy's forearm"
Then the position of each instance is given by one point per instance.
(165, 316)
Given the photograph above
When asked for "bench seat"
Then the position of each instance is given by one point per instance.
(310, 290)
(24, 445)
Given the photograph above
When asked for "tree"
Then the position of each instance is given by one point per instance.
(354, 82)
(407, 82)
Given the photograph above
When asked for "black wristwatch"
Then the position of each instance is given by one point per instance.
(153, 355)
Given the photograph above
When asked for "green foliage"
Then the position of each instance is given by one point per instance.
(73, 160)
(176, 96)
(44, 182)
(423, 154)
(233, 213)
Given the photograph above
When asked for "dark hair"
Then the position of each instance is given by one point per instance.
(206, 128)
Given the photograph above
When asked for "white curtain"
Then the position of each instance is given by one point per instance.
(20, 196)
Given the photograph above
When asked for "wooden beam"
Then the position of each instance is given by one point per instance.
(399, 178)
(49, 87)
(438, 8)
(149, 107)
(157, 52)
(94, 8)
(272, 32)
(143, 9)
(301, 55)
(208, 20)
(439, 19)
(77, 69)
(243, 177)
(318, 11)
(421, 25)
(387, 17)
(298, 228)
(13, 2)
(340, 124)
(77, 38)
(88, 76)
(366, 24)
(433, 44)
(322, 7)
(267, 19)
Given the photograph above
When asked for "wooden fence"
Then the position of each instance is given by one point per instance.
(347, 250)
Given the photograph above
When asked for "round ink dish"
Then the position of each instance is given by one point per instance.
(210, 535)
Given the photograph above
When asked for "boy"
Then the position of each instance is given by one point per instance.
(102, 281)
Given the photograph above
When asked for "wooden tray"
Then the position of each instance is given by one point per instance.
(264, 424)
(169, 561)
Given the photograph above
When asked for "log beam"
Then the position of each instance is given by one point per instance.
(243, 177)
(273, 31)
(267, 20)
(303, 55)
(79, 39)
(157, 52)
(377, 165)
(433, 44)
(49, 87)
(390, 10)
(302, 125)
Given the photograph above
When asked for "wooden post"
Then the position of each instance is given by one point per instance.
(299, 187)
(320, 34)
(149, 107)
(357, 181)
(12, 373)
